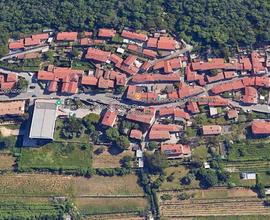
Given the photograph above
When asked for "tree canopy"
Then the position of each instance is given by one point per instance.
(215, 23)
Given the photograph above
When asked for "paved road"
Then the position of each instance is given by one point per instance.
(31, 50)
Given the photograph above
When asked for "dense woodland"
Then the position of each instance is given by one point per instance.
(211, 23)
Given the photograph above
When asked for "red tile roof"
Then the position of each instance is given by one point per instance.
(41, 36)
(86, 41)
(97, 55)
(150, 53)
(230, 74)
(260, 127)
(187, 91)
(162, 131)
(105, 83)
(136, 134)
(166, 43)
(175, 64)
(130, 60)
(257, 66)
(251, 96)
(134, 48)
(31, 42)
(159, 135)
(175, 150)
(146, 66)
(121, 79)
(216, 63)
(152, 42)
(148, 78)
(163, 111)
(193, 107)
(67, 36)
(19, 44)
(215, 78)
(115, 59)
(180, 113)
(89, 80)
(211, 129)
(134, 35)
(232, 114)
(53, 86)
(109, 118)
(145, 116)
(105, 32)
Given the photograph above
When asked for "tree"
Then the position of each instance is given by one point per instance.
(91, 119)
(100, 150)
(152, 145)
(260, 189)
(72, 126)
(22, 84)
(166, 197)
(186, 180)
(126, 162)
(155, 163)
(122, 142)
(207, 177)
(112, 134)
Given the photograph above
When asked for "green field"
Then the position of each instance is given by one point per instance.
(235, 178)
(92, 206)
(68, 156)
(252, 151)
(84, 138)
(233, 218)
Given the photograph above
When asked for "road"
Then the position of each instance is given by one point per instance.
(31, 50)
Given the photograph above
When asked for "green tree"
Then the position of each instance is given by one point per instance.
(112, 134)
(122, 142)
(156, 163)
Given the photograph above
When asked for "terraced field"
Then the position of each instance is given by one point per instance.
(248, 166)
(213, 207)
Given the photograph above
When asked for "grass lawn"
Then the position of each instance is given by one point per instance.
(200, 152)
(115, 185)
(35, 185)
(178, 173)
(264, 178)
(252, 151)
(92, 206)
(54, 155)
(235, 178)
(57, 134)
(108, 160)
(232, 218)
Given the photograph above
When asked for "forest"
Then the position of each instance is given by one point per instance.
(216, 24)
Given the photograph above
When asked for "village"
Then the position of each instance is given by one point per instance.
(141, 93)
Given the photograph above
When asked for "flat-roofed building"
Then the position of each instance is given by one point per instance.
(43, 120)
(12, 107)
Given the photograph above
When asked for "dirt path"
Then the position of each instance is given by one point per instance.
(6, 132)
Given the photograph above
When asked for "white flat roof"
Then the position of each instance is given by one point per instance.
(43, 120)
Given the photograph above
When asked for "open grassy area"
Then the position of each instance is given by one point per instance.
(69, 156)
(232, 218)
(252, 151)
(108, 159)
(90, 206)
(84, 138)
(35, 185)
(235, 178)
(6, 162)
(178, 173)
(200, 152)
(99, 185)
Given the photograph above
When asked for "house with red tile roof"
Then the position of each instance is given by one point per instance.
(67, 36)
(193, 107)
(149, 53)
(67, 78)
(257, 66)
(232, 114)
(41, 36)
(29, 42)
(175, 151)
(115, 59)
(134, 36)
(134, 47)
(174, 64)
(89, 81)
(109, 118)
(16, 45)
(186, 91)
(260, 127)
(211, 129)
(97, 55)
(215, 78)
(105, 83)
(146, 66)
(166, 43)
(160, 132)
(181, 115)
(251, 96)
(136, 134)
(8, 81)
(152, 42)
(121, 80)
(106, 33)
(145, 115)
(156, 78)
(193, 76)
(85, 41)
